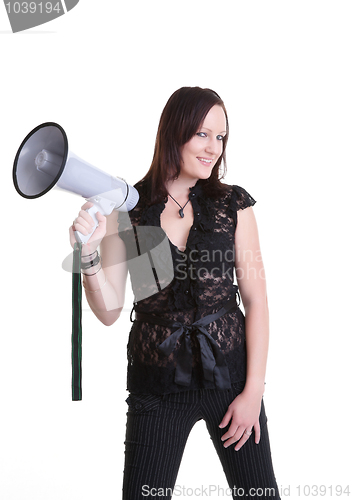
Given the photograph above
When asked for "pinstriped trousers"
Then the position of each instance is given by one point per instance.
(157, 430)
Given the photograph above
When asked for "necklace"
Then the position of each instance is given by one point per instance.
(181, 209)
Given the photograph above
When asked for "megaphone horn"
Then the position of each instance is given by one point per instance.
(44, 161)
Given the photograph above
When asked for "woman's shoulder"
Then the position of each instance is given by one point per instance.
(238, 197)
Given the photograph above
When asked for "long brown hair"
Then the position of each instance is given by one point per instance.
(180, 120)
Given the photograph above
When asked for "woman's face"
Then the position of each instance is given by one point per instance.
(200, 154)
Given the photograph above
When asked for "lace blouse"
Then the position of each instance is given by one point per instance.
(202, 283)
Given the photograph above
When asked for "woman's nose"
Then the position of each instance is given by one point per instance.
(214, 147)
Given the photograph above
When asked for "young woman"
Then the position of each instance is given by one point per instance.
(192, 353)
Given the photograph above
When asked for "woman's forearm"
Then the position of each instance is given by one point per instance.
(101, 295)
(104, 284)
(257, 342)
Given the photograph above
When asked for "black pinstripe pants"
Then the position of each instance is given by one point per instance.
(156, 434)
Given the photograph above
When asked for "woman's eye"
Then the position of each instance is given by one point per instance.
(203, 134)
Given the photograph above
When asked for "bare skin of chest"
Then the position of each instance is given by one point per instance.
(176, 227)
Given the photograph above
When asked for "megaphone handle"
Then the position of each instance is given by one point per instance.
(82, 238)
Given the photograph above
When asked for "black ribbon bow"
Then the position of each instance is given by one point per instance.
(213, 361)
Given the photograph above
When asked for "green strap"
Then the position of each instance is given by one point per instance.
(76, 324)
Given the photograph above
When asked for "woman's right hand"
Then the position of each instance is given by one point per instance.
(84, 224)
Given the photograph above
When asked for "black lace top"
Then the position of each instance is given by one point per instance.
(202, 283)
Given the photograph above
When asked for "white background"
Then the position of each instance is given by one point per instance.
(104, 71)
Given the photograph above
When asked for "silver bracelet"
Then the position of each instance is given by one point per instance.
(85, 274)
(86, 256)
(91, 263)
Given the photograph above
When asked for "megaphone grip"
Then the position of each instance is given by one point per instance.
(76, 324)
(83, 238)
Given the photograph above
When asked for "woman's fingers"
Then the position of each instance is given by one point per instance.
(256, 428)
(230, 431)
(245, 436)
(100, 217)
(85, 224)
(241, 435)
(231, 436)
(226, 419)
(87, 205)
(101, 222)
(84, 215)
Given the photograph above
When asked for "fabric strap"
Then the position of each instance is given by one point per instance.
(214, 365)
(76, 339)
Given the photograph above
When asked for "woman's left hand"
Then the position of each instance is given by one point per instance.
(244, 412)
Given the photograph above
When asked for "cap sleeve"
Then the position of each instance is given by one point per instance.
(240, 199)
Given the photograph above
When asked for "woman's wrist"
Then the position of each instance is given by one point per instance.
(88, 249)
(89, 256)
(90, 261)
(255, 386)
(91, 264)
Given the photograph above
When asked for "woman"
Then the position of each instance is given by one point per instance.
(192, 354)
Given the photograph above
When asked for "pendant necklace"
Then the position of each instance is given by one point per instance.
(181, 209)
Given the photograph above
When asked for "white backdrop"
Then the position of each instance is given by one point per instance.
(104, 71)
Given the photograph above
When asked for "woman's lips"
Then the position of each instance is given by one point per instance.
(205, 161)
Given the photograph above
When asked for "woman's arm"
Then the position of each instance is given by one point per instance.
(104, 283)
(252, 285)
(245, 409)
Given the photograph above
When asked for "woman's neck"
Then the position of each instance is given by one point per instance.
(179, 188)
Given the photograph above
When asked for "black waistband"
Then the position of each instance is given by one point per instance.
(213, 361)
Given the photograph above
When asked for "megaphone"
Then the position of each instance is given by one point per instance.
(44, 161)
